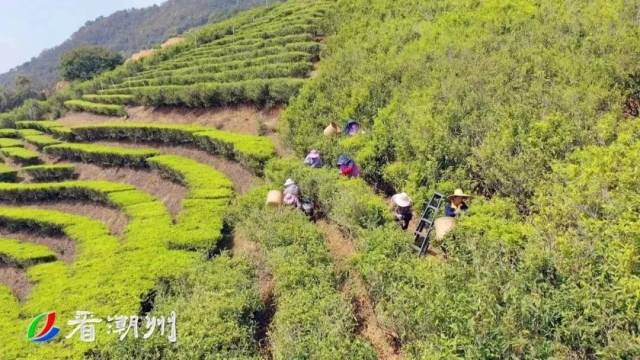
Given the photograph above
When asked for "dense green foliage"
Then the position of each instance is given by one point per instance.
(22, 91)
(83, 63)
(16, 253)
(312, 320)
(216, 301)
(21, 155)
(481, 94)
(100, 154)
(104, 109)
(45, 173)
(521, 101)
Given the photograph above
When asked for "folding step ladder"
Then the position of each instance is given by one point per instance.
(425, 227)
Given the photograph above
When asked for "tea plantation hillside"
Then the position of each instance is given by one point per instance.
(530, 106)
(258, 57)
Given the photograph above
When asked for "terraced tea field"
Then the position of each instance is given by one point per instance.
(96, 216)
(260, 57)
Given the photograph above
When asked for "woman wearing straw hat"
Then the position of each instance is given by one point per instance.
(348, 167)
(457, 203)
(313, 159)
(291, 193)
(402, 209)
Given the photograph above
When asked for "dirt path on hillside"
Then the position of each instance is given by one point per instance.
(170, 193)
(241, 178)
(16, 280)
(244, 119)
(342, 251)
(241, 246)
(115, 220)
(63, 247)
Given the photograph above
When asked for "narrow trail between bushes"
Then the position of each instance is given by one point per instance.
(16, 280)
(151, 182)
(63, 247)
(244, 119)
(113, 219)
(241, 178)
(241, 246)
(342, 250)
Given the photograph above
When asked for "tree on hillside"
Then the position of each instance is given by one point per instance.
(85, 62)
(22, 90)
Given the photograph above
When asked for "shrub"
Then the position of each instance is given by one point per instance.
(7, 173)
(206, 302)
(102, 155)
(37, 128)
(8, 142)
(104, 109)
(21, 155)
(41, 141)
(16, 253)
(208, 196)
(83, 63)
(45, 173)
(252, 151)
(109, 99)
(312, 319)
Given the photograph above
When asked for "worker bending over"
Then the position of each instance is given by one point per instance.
(402, 209)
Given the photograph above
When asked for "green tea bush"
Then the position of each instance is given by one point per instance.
(46, 173)
(489, 107)
(252, 151)
(21, 155)
(23, 255)
(275, 43)
(37, 128)
(245, 46)
(312, 319)
(8, 142)
(223, 60)
(206, 303)
(8, 173)
(259, 72)
(41, 141)
(202, 209)
(109, 99)
(256, 91)
(284, 57)
(8, 133)
(100, 154)
(104, 109)
(348, 202)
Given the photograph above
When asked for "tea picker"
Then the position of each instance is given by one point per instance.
(456, 206)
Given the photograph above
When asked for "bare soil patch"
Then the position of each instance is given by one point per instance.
(241, 246)
(115, 220)
(241, 178)
(342, 251)
(170, 193)
(16, 280)
(62, 246)
(242, 119)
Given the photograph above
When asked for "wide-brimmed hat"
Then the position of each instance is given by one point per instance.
(458, 193)
(401, 199)
(343, 160)
(289, 182)
(314, 154)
